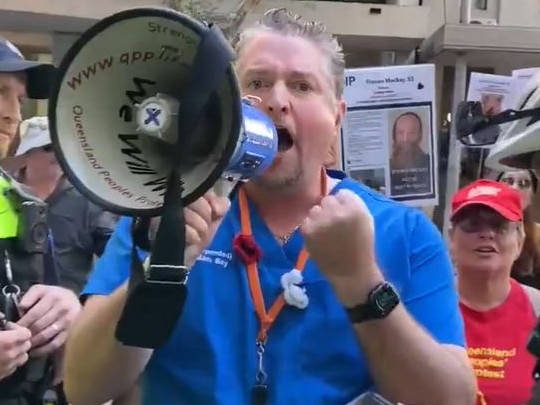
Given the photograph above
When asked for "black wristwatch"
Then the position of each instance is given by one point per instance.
(381, 301)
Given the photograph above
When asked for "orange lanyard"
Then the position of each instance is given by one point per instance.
(266, 319)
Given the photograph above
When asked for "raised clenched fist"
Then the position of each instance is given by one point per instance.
(339, 235)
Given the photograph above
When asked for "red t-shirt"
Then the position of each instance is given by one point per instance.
(496, 341)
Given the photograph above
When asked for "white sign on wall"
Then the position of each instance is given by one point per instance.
(389, 137)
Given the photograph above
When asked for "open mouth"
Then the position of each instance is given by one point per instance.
(486, 249)
(285, 141)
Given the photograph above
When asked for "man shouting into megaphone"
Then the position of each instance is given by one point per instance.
(309, 289)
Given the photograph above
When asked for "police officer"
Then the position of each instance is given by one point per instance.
(44, 312)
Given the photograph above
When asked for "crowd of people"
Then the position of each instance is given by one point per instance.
(381, 302)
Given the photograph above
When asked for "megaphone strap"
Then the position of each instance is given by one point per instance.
(157, 292)
(152, 309)
(170, 243)
(213, 59)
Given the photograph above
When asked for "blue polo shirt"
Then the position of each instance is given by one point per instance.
(312, 355)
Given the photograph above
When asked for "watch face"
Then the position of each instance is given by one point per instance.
(385, 299)
(381, 301)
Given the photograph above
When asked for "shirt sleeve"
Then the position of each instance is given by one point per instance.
(112, 269)
(430, 295)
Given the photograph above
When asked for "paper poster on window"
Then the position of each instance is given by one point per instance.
(494, 92)
(389, 139)
(520, 79)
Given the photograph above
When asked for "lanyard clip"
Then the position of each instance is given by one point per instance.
(11, 291)
(10, 310)
(260, 390)
(261, 373)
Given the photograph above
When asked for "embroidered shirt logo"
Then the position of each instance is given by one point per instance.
(218, 257)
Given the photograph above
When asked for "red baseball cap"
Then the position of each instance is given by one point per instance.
(498, 196)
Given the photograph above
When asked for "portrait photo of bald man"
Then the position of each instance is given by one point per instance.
(410, 145)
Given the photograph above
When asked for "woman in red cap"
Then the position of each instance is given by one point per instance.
(486, 238)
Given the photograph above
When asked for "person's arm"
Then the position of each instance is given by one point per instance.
(111, 369)
(416, 355)
(132, 397)
(97, 367)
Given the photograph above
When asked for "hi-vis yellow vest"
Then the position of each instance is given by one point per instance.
(9, 218)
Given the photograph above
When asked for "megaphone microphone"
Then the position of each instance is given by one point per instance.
(146, 117)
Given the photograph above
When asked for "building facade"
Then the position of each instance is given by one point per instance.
(459, 36)
(373, 32)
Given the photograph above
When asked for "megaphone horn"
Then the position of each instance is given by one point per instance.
(145, 118)
(141, 93)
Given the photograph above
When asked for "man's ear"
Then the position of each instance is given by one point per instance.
(340, 113)
(333, 155)
(331, 160)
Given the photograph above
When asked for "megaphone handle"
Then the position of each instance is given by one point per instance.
(223, 187)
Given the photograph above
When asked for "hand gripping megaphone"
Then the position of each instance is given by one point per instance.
(146, 116)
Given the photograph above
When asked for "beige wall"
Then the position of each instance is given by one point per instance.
(384, 27)
(437, 15)
(74, 8)
(527, 14)
(396, 23)
(346, 18)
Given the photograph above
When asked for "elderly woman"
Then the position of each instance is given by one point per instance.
(486, 238)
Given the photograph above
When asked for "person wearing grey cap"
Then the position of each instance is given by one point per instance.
(35, 316)
(80, 228)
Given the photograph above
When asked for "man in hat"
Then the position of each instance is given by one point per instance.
(46, 311)
(80, 228)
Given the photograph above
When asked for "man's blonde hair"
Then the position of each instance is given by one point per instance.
(281, 21)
